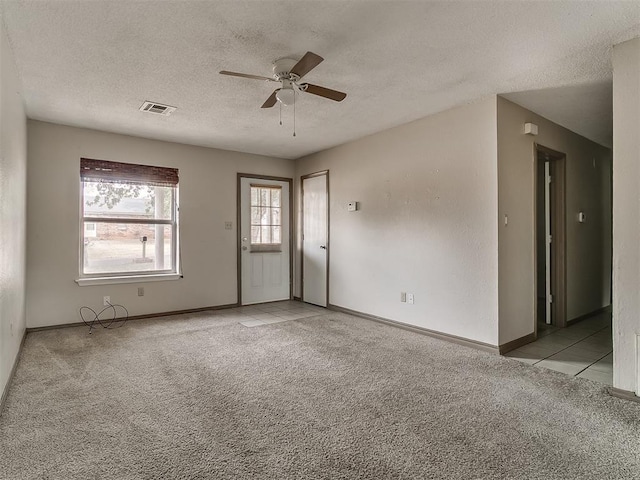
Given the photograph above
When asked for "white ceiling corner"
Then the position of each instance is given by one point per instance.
(92, 64)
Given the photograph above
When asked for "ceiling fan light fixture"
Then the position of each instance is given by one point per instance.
(286, 96)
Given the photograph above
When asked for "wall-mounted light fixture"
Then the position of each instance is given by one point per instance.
(530, 129)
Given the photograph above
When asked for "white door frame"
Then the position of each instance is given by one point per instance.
(302, 178)
(557, 208)
(239, 230)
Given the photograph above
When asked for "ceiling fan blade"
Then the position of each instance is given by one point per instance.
(325, 92)
(306, 64)
(271, 101)
(246, 75)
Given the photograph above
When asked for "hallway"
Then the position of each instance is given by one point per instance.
(583, 349)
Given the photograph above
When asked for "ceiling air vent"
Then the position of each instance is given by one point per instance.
(157, 108)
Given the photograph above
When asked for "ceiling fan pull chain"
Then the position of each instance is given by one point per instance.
(280, 113)
(294, 113)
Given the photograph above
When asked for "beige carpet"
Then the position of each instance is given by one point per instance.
(326, 397)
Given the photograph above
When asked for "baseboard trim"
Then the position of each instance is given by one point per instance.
(465, 342)
(624, 394)
(5, 391)
(588, 315)
(517, 343)
(138, 317)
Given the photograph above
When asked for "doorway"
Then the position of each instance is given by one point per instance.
(264, 239)
(315, 238)
(550, 239)
(584, 348)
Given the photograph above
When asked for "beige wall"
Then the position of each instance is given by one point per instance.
(207, 200)
(626, 214)
(427, 222)
(13, 165)
(588, 189)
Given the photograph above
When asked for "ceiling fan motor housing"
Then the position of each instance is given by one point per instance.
(282, 73)
(282, 69)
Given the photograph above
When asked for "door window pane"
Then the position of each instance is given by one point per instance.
(277, 238)
(266, 215)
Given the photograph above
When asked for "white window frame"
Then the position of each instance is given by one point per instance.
(86, 279)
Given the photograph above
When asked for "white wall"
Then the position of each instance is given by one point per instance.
(588, 189)
(13, 165)
(626, 213)
(207, 200)
(427, 222)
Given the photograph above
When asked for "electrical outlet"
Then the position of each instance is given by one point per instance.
(403, 297)
(228, 225)
(141, 291)
(410, 298)
(106, 300)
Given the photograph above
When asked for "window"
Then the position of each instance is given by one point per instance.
(129, 217)
(266, 218)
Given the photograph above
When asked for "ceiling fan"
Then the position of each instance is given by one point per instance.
(288, 73)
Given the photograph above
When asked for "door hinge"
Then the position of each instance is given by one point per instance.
(550, 298)
(549, 179)
(550, 238)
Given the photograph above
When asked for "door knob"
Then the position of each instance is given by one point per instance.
(324, 247)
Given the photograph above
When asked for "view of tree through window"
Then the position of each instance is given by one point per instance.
(128, 227)
(266, 213)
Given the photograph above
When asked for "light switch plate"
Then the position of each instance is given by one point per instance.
(352, 206)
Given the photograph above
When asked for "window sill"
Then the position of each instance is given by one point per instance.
(163, 277)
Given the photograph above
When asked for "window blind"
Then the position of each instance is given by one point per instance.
(128, 173)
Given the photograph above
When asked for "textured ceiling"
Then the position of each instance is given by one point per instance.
(92, 64)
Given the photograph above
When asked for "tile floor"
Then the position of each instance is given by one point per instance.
(583, 349)
(273, 312)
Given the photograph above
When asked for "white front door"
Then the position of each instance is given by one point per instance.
(315, 238)
(264, 240)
